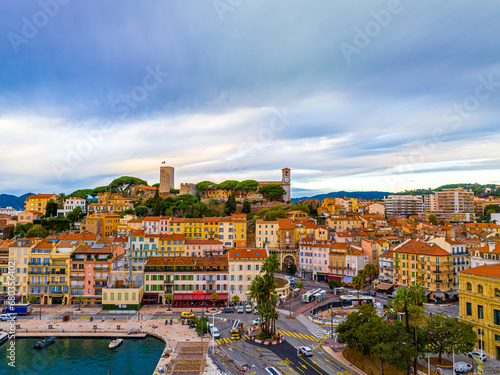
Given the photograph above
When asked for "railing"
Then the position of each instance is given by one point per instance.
(58, 272)
(39, 272)
(100, 285)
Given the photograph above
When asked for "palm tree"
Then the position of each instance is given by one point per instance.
(169, 297)
(31, 299)
(79, 299)
(358, 283)
(371, 272)
(235, 299)
(214, 298)
(401, 303)
(417, 299)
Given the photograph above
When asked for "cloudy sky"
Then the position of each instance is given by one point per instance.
(373, 95)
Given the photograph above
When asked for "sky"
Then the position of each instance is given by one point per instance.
(365, 95)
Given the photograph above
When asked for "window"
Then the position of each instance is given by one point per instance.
(469, 309)
(497, 292)
(480, 289)
(496, 317)
(469, 287)
(480, 314)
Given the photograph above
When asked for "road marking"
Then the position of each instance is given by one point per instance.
(219, 341)
(300, 370)
(330, 368)
(314, 368)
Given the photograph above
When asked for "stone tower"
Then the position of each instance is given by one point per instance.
(166, 179)
(286, 182)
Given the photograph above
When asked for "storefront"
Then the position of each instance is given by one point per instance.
(200, 299)
(321, 276)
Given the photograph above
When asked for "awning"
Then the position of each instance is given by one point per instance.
(223, 296)
(182, 297)
(347, 279)
(439, 294)
(427, 292)
(321, 273)
(334, 277)
(452, 293)
(198, 297)
(150, 297)
(384, 286)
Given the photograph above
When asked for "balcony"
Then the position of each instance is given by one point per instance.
(100, 285)
(168, 282)
(77, 277)
(57, 282)
(31, 272)
(210, 281)
(435, 271)
(53, 272)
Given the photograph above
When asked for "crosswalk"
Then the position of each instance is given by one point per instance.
(283, 313)
(227, 340)
(316, 330)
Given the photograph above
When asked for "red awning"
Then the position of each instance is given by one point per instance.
(199, 297)
(334, 277)
(222, 296)
(181, 297)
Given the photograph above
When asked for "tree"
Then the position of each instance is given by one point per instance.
(79, 299)
(263, 291)
(272, 191)
(82, 193)
(449, 335)
(228, 185)
(230, 205)
(202, 326)
(157, 208)
(141, 210)
(169, 298)
(432, 219)
(214, 298)
(333, 284)
(358, 282)
(124, 183)
(235, 299)
(31, 299)
(417, 299)
(205, 185)
(76, 214)
(247, 186)
(37, 231)
(129, 211)
(371, 273)
(292, 269)
(51, 208)
(247, 207)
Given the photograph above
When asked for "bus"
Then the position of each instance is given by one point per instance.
(311, 295)
(353, 298)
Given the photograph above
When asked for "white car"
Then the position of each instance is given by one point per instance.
(256, 311)
(215, 333)
(256, 322)
(248, 308)
(5, 317)
(306, 351)
(240, 310)
(481, 356)
(461, 367)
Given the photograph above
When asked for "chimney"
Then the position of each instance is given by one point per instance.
(491, 246)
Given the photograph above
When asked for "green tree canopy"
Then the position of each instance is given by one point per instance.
(247, 207)
(122, 184)
(432, 219)
(247, 186)
(205, 185)
(230, 205)
(51, 208)
(272, 191)
(141, 210)
(228, 185)
(82, 193)
(333, 284)
(37, 231)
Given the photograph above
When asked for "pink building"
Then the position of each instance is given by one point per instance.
(203, 247)
(314, 257)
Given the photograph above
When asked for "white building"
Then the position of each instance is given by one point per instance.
(70, 204)
(8, 211)
(404, 205)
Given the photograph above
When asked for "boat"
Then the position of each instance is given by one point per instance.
(45, 342)
(3, 337)
(115, 343)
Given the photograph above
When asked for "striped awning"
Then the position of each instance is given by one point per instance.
(384, 286)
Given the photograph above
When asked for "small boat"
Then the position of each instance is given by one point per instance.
(45, 342)
(115, 343)
(3, 337)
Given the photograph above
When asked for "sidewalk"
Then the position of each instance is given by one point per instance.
(339, 357)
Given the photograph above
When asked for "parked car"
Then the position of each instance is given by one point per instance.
(306, 351)
(5, 317)
(256, 322)
(240, 310)
(248, 309)
(273, 370)
(186, 315)
(478, 355)
(461, 367)
(215, 333)
(256, 311)
(228, 310)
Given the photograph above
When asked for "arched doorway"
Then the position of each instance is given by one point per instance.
(287, 261)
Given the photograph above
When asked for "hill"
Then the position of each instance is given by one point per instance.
(7, 200)
(347, 194)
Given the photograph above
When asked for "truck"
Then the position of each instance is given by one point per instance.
(19, 309)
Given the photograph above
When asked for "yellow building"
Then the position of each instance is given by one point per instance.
(19, 254)
(122, 298)
(60, 264)
(103, 224)
(108, 202)
(244, 265)
(267, 233)
(176, 226)
(193, 228)
(172, 245)
(239, 230)
(479, 296)
(416, 261)
(39, 271)
(343, 224)
(38, 202)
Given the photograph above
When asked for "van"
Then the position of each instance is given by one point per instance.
(215, 333)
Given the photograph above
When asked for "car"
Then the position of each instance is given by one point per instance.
(271, 370)
(228, 310)
(256, 311)
(210, 326)
(186, 315)
(215, 333)
(461, 367)
(478, 355)
(5, 317)
(240, 310)
(248, 309)
(306, 351)
(256, 322)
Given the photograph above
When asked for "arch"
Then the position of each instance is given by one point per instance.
(287, 260)
(469, 287)
(497, 292)
(480, 289)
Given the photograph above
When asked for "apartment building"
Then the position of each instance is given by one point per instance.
(19, 255)
(343, 224)
(314, 258)
(203, 248)
(38, 202)
(455, 201)
(459, 254)
(70, 204)
(267, 234)
(479, 305)
(191, 280)
(485, 255)
(404, 205)
(416, 261)
(39, 270)
(244, 266)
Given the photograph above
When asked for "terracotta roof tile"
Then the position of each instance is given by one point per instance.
(215, 260)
